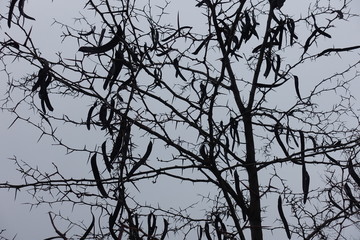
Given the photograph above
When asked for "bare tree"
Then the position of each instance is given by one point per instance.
(222, 107)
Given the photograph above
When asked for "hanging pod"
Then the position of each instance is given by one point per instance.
(96, 174)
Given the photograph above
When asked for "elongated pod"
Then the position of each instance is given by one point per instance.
(89, 228)
(106, 47)
(353, 173)
(11, 10)
(142, 160)
(278, 139)
(241, 201)
(106, 158)
(96, 173)
(283, 219)
(89, 115)
(166, 226)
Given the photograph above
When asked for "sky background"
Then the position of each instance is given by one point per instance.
(22, 140)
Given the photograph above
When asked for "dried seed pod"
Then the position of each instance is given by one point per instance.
(353, 173)
(308, 41)
(106, 47)
(106, 158)
(151, 221)
(112, 111)
(142, 160)
(42, 75)
(283, 219)
(302, 147)
(83, 237)
(207, 231)
(278, 139)
(117, 146)
(291, 27)
(102, 34)
(102, 115)
(11, 10)
(268, 64)
(296, 83)
(88, 119)
(113, 216)
(21, 10)
(278, 64)
(241, 201)
(202, 44)
(305, 183)
(96, 174)
(177, 69)
(117, 64)
(166, 226)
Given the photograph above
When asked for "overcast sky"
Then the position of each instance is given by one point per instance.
(21, 139)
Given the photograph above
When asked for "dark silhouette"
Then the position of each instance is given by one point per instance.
(226, 108)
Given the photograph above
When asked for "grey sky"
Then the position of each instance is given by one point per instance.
(21, 139)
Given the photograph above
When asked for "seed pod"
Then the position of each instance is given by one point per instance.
(42, 75)
(307, 43)
(177, 69)
(96, 174)
(296, 82)
(151, 221)
(305, 183)
(278, 64)
(117, 146)
(321, 31)
(88, 119)
(115, 69)
(241, 201)
(199, 232)
(353, 173)
(268, 64)
(102, 33)
(106, 47)
(278, 139)
(178, 31)
(207, 232)
(291, 27)
(205, 41)
(154, 37)
(45, 101)
(11, 10)
(283, 219)
(89, 228)
(166, 226)
(102, 115)
(302, 146)
(43, 95)
(106, 158)
(219, 227)
(21, 10)
(112, 111)
(142, 160)
(114, 215)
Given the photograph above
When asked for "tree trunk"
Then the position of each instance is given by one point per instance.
(254, 208)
